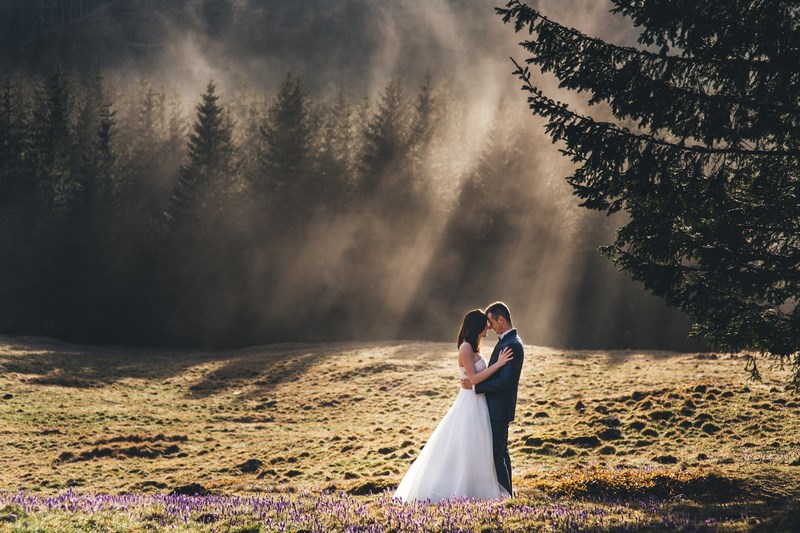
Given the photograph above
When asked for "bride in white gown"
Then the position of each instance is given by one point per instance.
(457, 460)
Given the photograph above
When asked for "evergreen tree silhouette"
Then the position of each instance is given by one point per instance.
(15, 181)
(204, 181)
(54, 155)
(385, 177)
(202, 266)
(709, 178)
(287, 139)
(428, 117)
(19, 210)
(336, 156)
(97, 145)
(153, 142)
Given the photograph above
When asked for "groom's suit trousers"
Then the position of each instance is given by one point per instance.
(502, 461)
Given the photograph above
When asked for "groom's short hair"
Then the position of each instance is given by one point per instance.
(499, 309)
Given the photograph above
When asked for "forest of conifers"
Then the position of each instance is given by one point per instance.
(129, 215)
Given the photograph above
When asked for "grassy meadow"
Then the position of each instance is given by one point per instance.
(313, 437)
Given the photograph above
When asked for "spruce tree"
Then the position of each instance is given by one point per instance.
(708, 177)
(14, 181)
(335, 156)
(97, 145)
(427, 118)
(105, 159)
(251, 108)
(385, 170)
(361, 118)
(287, 136)
(153, 134)
(18, 209)
(198, 198)
(59, 245)
(201, 255)
(53, 151)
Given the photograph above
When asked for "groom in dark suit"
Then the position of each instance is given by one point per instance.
(501, 388)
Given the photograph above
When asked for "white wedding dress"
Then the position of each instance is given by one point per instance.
(457, 460)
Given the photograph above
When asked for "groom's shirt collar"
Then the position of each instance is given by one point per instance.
(500, 337)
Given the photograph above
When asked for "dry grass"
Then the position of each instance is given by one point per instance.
(353, 416)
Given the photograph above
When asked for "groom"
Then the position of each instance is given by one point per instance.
(501, 388)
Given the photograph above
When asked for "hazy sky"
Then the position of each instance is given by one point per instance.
(358, 44)
(363, 43)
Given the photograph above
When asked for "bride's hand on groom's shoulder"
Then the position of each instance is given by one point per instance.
(506, 355)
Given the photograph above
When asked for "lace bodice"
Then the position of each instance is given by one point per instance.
(480, 364)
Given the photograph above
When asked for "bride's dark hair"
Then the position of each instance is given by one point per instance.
(473, 325)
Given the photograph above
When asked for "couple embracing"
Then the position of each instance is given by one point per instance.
(467, 454)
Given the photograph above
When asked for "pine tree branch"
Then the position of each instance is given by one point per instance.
(633, 89)
(712, 27)
(527, 16)
(711, 229)
(620, 75)
(560, 114)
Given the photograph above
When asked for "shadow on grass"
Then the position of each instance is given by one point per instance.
(783, 519)
(49, 362)
(260, 368)
(767, 500)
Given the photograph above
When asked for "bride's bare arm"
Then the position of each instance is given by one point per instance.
(467, 358)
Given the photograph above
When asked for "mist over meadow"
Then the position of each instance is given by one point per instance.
(226, 173)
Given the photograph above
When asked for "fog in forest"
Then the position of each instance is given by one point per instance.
(234, 172)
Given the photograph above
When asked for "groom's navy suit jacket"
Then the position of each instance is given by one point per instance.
(501, 387)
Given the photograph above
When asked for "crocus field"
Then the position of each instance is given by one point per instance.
(323, 511)
(315, 438)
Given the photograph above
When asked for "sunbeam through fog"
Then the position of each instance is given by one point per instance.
(365, 246)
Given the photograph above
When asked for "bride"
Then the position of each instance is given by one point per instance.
(457, 460)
